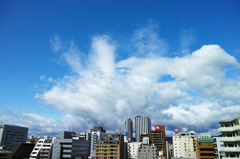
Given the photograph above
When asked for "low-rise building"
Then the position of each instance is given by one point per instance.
(147, 152)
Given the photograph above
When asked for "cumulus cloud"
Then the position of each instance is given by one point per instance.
(41, 125)
(192, 92)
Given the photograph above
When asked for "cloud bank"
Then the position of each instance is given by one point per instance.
(191, 92)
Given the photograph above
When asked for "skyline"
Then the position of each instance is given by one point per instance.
(85, 64)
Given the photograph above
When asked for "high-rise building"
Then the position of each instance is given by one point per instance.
(96, 134)
(129, 129)
(157, 137)
(230, 129)
(183, 145)
(10, 134)
(110, 146)
(142, 126)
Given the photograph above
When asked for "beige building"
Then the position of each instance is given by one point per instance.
(183, 145)
(204, 148)
(110, 146)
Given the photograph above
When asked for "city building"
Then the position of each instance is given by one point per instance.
(183, 145)
(21, 150)
(129, 129)
(157, 137)
(43, 149)
(230, 130)
(142, 126)
(218, 145)
(96, 134)
(71, 145)
(205, 148)
(147, 152)
(133, 149)
(10, 134)
(110, 146)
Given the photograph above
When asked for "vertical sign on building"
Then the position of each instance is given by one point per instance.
(176, 130)
(157, 127)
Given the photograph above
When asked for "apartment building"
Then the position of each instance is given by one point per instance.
(230, 129)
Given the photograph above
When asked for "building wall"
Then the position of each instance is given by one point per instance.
(129, 129)
(43, 149)
(142, 126)
(205, 149)
(158, 139)
(183, 145)
(147, 152)
(96, 134)
(230, 130)
(10, 134)
(133, 149)
(110, 146)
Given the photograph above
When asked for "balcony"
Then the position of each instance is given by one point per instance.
(230, 139)
(229, 129)
(230, 149)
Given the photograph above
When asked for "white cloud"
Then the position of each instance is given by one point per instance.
(42, 77)
(192, 92)
(41, 125)
(56, 43)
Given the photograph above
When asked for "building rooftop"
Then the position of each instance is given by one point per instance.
(228, 120)
(205, 140)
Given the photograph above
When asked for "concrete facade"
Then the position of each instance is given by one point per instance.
(230, 130)
(43, 149)
(69, 145)
(183, 145)
(110, 146)
(157, 137)
(10, 134)
(133, 149)
(147, 152)
(96, 134)
(142, 126)
(129, 129)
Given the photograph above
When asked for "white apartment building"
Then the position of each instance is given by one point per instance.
(230, 130)
(133, 149)
(183, 145)
(42, 149)
(218, 145)
(96, 134)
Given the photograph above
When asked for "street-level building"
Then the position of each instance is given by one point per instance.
(147, 152)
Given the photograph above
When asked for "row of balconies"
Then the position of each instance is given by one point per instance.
(229, 129)
(230, 139)
(230, 149)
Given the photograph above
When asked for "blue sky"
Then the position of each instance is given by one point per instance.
(139, 55)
